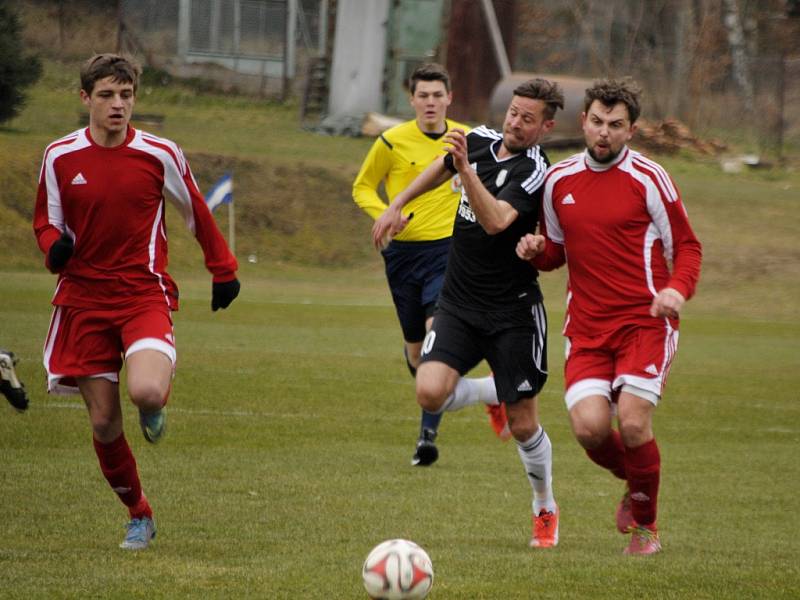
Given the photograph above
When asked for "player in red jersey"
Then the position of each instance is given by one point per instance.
(617, 220)
(99, 220)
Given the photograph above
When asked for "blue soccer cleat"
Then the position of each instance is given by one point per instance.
(153, 425)
(139, 534)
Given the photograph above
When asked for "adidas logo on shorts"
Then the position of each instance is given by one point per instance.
(525, 386)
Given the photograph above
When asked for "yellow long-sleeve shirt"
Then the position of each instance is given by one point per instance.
(396, 158)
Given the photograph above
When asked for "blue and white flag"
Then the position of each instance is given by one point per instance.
(221, 193)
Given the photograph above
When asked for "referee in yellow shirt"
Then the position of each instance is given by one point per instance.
(416, 258)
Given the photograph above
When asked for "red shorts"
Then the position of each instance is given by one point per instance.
(85, 342)
(634, 357)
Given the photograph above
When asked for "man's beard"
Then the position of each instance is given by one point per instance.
(610, 158)
(514, 149)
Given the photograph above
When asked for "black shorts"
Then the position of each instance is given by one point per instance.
(415, 272)
(513, 343)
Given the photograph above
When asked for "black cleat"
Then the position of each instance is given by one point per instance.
(426, 452)
(10, 386)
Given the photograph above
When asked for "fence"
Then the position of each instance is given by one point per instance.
(261, 44)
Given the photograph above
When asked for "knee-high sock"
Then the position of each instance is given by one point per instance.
(643, 466)
(430, 421)
(470, 391)
(119, 468)
(537, 458)
(610, 455)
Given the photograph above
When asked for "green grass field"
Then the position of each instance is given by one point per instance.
(292, 422)
(292, 419)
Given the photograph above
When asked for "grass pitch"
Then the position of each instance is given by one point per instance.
(292, 420)
(291, 426)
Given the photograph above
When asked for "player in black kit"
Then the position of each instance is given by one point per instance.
(490, 306)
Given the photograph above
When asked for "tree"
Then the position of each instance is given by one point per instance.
(737, 41)
(17, 70)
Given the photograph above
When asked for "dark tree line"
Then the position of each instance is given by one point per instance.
(18, 70)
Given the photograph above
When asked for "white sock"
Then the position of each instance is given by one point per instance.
(537, 458)
(471, 391)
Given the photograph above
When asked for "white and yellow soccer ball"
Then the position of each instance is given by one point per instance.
(397, 570)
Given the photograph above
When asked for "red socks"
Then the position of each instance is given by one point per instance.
(640, 467)
(643, 466)
(119, 468)
(610, 455)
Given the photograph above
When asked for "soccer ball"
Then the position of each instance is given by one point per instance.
(397, 570)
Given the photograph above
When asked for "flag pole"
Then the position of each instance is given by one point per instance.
(231, 229)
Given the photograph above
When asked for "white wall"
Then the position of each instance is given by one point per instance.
(358, 57)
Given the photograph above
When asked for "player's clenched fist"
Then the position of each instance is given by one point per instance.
(530, 246)
(223, 293)
(60, 252)
(667, 303)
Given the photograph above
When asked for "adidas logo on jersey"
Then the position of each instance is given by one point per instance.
(652, 369)
(79, 179)
(525, 386)
(568, 199)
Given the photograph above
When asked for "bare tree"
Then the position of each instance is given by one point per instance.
(738, 45)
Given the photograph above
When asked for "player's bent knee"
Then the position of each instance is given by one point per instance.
(147, 395)
(589, 435)
(431, 399)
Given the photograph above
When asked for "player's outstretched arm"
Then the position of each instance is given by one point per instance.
(223, 293)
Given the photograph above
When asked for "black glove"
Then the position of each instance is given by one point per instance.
(222, 294)
(60, 252)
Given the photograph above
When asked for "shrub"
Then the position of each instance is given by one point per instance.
(17, 70)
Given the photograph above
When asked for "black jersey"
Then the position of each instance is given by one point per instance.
(484, 271)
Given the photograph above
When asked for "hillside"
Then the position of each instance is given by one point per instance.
(293, 204)
(292, 188)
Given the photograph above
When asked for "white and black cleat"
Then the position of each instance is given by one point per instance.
(426, 452)
(10, 385)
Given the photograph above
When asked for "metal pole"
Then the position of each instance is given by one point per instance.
(184, 20)
(288, 47)
(213, 26)
(323, 28)
(497, 38)
(781, 103)
(231, 229)
(237, 34)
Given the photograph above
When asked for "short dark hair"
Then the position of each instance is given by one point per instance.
(613, 91)
(100, 66)
(429, 72)
(548, 92)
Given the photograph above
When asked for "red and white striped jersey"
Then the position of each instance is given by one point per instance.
(111, 201)
(625, 235)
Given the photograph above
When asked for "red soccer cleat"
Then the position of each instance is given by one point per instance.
(644, 540)
(499, 420)
(545, 529)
